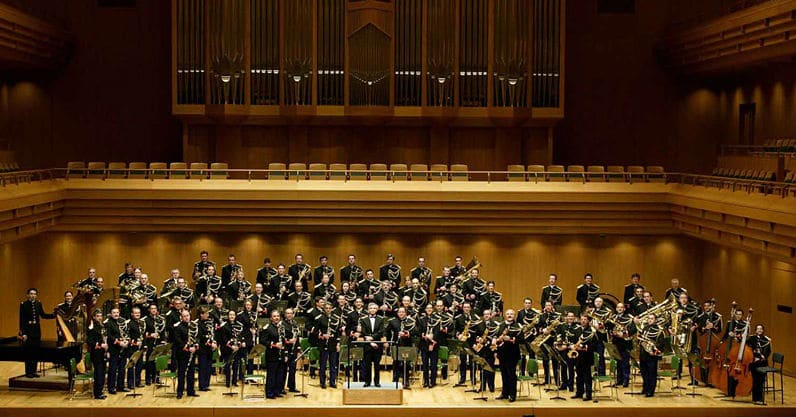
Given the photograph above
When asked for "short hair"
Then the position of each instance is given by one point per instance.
(299, 254)
(389, 255)
(267, 260)
(636, 275)
(490, 283)
(588, 275)
(68, 292)
(373, 304)
(32, 289)
(231, 255)
(368, 270)
(202, 310)
(527, 299)
(203, 252)
(554, 276)
(323, 257)
(282, 265)
(457, 257)
(138, 268)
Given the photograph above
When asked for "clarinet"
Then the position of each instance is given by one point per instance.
(193, 332)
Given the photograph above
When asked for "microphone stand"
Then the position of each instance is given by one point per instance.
(557, 360)
(299, 356)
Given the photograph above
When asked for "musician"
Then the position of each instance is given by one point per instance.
(468, 320)
(675, 289)
(447, 327)
(406, 303)
(548, 322)
(508, 353)
(487, 331)
(390, 271)
(443, 282)
(185, 352)
(207, 344)
(127, 285)
(70, 317)
(232, 345)
(735, 327)
(281, 283)
(349, 294)
(401, 330)
(300, 301)
(320, 270)
(248, 317)
(429, 348)
(527, 317)
(136, 327)
(300, 271)
(342, 307)
(173, 317)
(260, 300)
(636, 302)
(200, 266)
(646, 304)
(128, 276)
(292, 337)
(311, 314)
(169, 285)
(386, 299)
(651, 338)
(90, 280)
(688, 313)
(621, 331)
(155, 335)
(422, 274)
(630, 289)
(145, 294)
(117, 342)
(352, 272)
(328, 326)
(368, 286)
(208, 286)
(453, 299)
(417, 293)
(275, 364)
(458, 268)
(587, 292)
(473, 288)
(96, 340)
(324, 289)
(584, 346)
(218, 313)
(491, 300)
(600, 314)
(566, 339)
(30, 314)
(761, 347)
(238, 290)
(355, 331)
(708, 321)
(552, 292)
(227, 271)
(185, 293)
(372, 331)
(266, 274)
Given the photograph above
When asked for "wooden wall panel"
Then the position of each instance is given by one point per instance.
(519, 264)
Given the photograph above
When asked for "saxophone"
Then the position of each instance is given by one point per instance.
(466, 332)
(494, 346)
(536, 344)
(480, 345)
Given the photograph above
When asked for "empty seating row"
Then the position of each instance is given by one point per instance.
(745, 174)
(780, 145)
(364, 172)
(9, 167)
(579, 173)
(155, 170)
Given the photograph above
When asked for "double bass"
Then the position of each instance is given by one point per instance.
(740, 357)
(708, 344)
(718, 369)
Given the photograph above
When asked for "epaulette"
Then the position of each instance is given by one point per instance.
(317, 317)
(580, 285)
(177, 323)
(105, 321)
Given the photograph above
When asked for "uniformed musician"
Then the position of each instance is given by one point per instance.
(630, 289)
(266, 274)
(271, 337)
(548, 318)
(527, 316)
(200, 266)
(621, 330)
(292, 346)
(281, 284)
(69, 317)
(328, 326)
(30, 314)
(351, 272)
(368, 287)
(207, 345)
(491, 300)
(155, 335)
(708, 321)
(675, 289)
(430, 334)
(323, 268)
(584, 346)
(567, 336)
(507, 342)
(473, 287)
(552, 292)
(390, 271)
(325, 289)
(651, 340)
(117, 344)
(761, 348)
(458, 269)
(136, 329)
(300, 271)
(600, 314)
(488, 327)
(97, 343)
(587, 292)
(443, 282)
(422, 273)
(238, 290)
(260, 300)
(145, 294)
(185, 356)
(233, 343)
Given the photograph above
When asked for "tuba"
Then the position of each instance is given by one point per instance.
(536, 344)
(659, 310)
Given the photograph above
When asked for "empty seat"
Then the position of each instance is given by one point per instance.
(198, 171)
(317, 171)
(378, 172)
(4, 167)
(419, 172)
(158, 170)
(297, 171)
(178, 170)
(400, 172)
(117, 170)
(358, 172)
(137, 170)
(616, 173)
(635, 172)
(439, 172)
(536, 173)
(555, 173)
(575, 173)
(276, 171)
(219, 171)
(596, 173)
(459, 172)
(337, 172)
(75, 169)
(96, 170)
(790, 178)
(655, 173)
(14, 166)
(516, 173)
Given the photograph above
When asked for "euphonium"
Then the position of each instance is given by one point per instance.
(658, 309)
(536, 344)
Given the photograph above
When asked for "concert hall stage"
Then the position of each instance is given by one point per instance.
(442, 401)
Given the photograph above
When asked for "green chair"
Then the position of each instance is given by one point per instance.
(531, 374)
(598, 380)
(443, 354)
(671, 371)
(314, 359)
(161, 365)
(217, 364)
(82, 378)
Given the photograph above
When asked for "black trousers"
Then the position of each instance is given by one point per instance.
(758, 381)
(185, 375)
(274, 371)
(508, 373)
(488, 378)
(134, 373)
(98, 363)
(205, 359)
(568, 373)
(465, 362)
(31, 344)
(649, 373)
(623, 367)
(332, 359)
(370, 366)
(600, 349)
(289, 374)
(584, 378)
(430, 361)
(115, 372)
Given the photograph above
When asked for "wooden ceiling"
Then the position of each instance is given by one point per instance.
(29, 43)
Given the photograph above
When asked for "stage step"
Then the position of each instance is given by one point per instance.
(356, 393)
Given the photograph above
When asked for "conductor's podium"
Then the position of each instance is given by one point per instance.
(355, 393)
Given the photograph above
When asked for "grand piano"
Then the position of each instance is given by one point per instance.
(12, 350)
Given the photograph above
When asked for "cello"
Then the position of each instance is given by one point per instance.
(708, 344)
(740, 357)
(718, 369)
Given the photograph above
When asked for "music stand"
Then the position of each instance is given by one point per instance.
(229, 362)
(357, 354)
(638, 365)
(256, 352)
(696, 364)
(457, 346)
(405, 354)
(160, 350)
(131, 363)
(382, 343)
(483, 366)
(473, 355)
(558, 361)
(303, 374)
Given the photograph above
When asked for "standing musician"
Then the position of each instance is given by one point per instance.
(292, 337)
(343, 308)
(145, 294)
(232, 344)
(207, 345)
(272, 338)
(187, 345)
(600, 314)
(349, 294)
(71, 320)
(527, 318)
(708, 321)
(173, 317)
(200, 266)
(422, 273)
(546, 330)
(430, 335)
(587, 292)
(367, 287)
(447, 327)
(486, 332)
(761, 347)
(675, 289)
(734, 330)
(453, 299)
(401, 330)
(584, 346)
(417, 293)
(97, 342)
(630, 289)
(566, 339)
(155, 334)
(281, 283)
(89, 280)
(386, 299)
(248, 317)
(390, 271)
(491, 300)
(30, 314)
(552, 292)
(185, 293)
(688, 312)
(372, 330)
(168, 289)
(651, 340)
(300, 271)
(635, 303)
(443, 282)
(467, 322)
(266, 274)
(458, 269)
(621, 330)
(136, 328)
(646, 303)
(354, 331)
(117, 344)
(299, 300)
(508, 353)
(260, 300)
(227, 272)
(128, 284)
(325, 289)
(327, 326)
(127, 277)
(218, 313)
(351, 272)
(238, 290)
(322, 269)
(473, 288)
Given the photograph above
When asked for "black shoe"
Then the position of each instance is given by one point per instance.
(112, 392)
(432, 385)
(139, 385)
(648, 395)
(693, 383)
(425, 385)
(500, 397)
(193, 395)
(332, 386)
(587, 397)
(123, 390)
(367, 384)
(179, 397)
(36, 376)
(29, 376)
(293, 390)
(625, 385)
(377, 385)
(577, 396)
(512, 399)
(270, 397)
(562, 388)
(323, 386)
(204, 389)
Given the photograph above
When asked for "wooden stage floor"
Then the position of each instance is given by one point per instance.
(442, 401)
